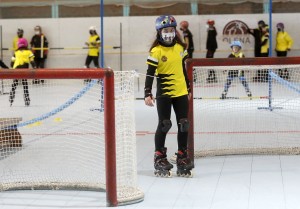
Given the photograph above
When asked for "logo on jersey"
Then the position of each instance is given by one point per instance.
(236, 30)
(164, 58)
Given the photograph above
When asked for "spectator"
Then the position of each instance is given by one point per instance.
(93, 45)
(257, 34)
(232, 74)
(187, 37)
(21, 59)
(284, 43)
(262, 75)
(39, 45)
(211, 46)
(20, 33)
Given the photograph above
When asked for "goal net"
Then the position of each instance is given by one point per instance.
(245, 106)
(73, 135)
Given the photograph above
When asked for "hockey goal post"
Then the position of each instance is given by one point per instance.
(265, 123)
(76, 135)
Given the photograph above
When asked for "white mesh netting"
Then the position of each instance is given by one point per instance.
(62, 131)
(261, 116)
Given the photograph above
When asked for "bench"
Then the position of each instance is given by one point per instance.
(9, 134)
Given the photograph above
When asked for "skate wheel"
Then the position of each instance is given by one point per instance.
(165, 174)
(186, 174)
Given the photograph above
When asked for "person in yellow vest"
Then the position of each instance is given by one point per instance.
(236, 47)
(284, 44)
(93, 45)
(264, 52)
(20, 33)
(21, 59)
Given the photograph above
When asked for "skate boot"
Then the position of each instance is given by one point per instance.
(184, 164)
(161, 164)
(249, 95)
(224, 94)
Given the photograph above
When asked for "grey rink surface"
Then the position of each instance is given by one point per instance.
(223, 182)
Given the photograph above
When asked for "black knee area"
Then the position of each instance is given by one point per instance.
(166, 125)
(184, 125)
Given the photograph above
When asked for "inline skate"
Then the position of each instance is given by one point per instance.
(161, 164)
(184, 164)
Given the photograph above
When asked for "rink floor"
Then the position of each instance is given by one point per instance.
(219, 182)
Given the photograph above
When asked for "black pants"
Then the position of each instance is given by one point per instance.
(40, 63)
(164, 107)
(89, 59)
(283, 73)
(211, 72)
(14, 87)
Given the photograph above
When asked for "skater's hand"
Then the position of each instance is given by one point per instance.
(150, 101)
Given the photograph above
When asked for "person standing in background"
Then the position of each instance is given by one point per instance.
(257, 34)
(284, 43)
(39, 45)
(211, 46)
(93, 45)
(263, 75)
(20, 33)
(21, 59)
(187, 37)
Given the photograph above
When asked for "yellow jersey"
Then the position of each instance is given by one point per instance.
(170, 75)
(22, 58)
(283, 41)
(94, 42)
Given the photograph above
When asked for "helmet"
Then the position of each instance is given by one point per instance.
(261, 22)
(236, 43)
(165, 21)
(39, 28)
(20, 30)
(93, 28)
(22, 43)
(184, 24)
(280, 25)
(210, 22)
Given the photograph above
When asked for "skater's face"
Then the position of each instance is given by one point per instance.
(236, 49)
(168, 34)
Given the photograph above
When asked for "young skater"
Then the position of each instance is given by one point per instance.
(236, 53)
(21, 59)
(166, 62)
(93, 53)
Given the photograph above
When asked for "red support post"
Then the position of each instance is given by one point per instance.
(189, 69)
(110, 139)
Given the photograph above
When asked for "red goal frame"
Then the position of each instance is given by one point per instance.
(191, 63)
(109, 114)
